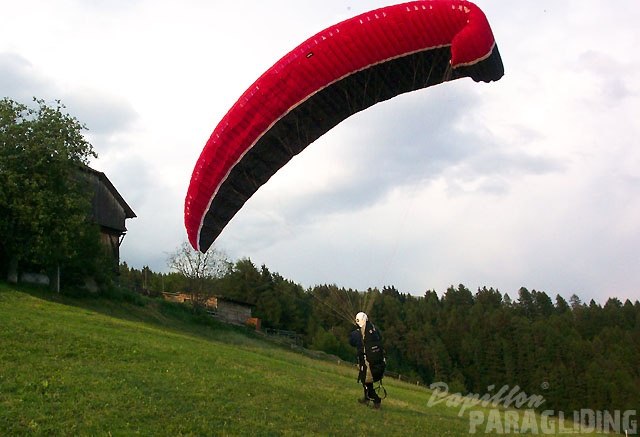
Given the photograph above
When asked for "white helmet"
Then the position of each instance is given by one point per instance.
(361, 319)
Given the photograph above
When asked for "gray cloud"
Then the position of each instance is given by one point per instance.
(19, 80)
(413, 142)
(611, 78)
(103, 114)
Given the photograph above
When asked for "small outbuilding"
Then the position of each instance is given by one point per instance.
(232, 311)
(227, 310)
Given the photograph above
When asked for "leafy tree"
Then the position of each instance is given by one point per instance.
(200, 269)
(327, 341)
(294, 304)
(43, 201)
(242, 282)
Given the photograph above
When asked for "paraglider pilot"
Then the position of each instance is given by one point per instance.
(371, 362)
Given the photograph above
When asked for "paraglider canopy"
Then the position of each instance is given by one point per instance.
(336, 73)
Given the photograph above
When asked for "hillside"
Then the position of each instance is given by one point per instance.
(135, 366)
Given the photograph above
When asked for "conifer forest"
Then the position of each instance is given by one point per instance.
(573, 354)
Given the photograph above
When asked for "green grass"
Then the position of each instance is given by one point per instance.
(99, 367)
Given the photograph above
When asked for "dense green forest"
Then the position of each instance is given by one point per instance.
(573, 354)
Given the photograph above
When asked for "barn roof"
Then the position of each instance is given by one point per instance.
(107, 183)
(237, 302)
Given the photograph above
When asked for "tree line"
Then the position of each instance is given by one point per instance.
(573, 354)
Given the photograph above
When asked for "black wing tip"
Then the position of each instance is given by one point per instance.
(494, 65)
(489, 69)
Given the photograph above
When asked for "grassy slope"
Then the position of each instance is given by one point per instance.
(102, 368)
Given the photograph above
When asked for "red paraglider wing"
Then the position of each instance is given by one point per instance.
(338, 72)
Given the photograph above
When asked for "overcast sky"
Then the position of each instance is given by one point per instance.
(531, 181)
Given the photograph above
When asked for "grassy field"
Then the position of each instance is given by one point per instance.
(99, 367)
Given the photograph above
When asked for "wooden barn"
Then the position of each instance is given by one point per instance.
(109, 210)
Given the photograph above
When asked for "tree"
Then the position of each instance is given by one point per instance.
(44, 203)
(243, 283)
(543, 303)
(561, 305)
(526, 303)
(575, 302)
(200, 269)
